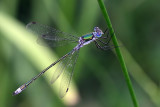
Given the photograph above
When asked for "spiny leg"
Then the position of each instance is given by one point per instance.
(98, 45)
(102, 42)
(106, 37)
(104, 34)
(105, 30)
(107, 47)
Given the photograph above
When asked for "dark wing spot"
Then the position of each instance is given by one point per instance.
(33, 22)
(67, 90)
(43, 36)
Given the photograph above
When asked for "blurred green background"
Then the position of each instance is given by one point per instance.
(98, 80)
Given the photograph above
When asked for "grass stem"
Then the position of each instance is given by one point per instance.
(118, 53)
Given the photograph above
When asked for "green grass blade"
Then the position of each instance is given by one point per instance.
(118, 52)
(25, 42)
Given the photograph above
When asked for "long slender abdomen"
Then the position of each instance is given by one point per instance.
(24, 86)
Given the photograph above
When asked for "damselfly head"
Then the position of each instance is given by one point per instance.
(98, 32)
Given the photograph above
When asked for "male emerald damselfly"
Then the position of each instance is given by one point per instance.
(54, 38)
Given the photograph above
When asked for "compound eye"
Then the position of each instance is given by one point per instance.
(95, 29)
(99, 35)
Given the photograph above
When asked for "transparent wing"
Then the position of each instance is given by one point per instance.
(50, 36)
(60, 68)
(67, 74)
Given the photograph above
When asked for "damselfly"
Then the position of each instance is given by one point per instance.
(54, 38)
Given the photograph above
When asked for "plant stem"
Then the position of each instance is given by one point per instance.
(118, 52)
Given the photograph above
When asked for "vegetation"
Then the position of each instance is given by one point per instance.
(98, 80)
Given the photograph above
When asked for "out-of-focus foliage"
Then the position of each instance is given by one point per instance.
(98, 77)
